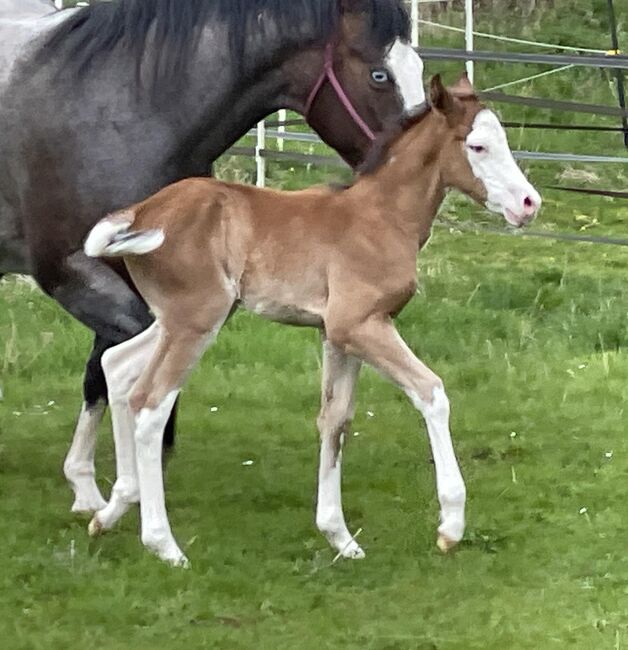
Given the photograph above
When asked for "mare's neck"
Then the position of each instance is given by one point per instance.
(226, 98)
(407, 187)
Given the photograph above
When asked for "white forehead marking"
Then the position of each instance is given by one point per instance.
(506, 186)
(407, 68)
(486, 122)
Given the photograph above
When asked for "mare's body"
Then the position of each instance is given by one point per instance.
(101, 107)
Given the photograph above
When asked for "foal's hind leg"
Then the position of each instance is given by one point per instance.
(123, 365)
(377, 342)
(340, 373)
(154, 396)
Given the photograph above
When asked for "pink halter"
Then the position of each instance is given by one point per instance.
(328, 74)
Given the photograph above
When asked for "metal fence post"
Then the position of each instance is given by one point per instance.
(621, 92)
(260, 161)
(283, 116)
(468, 36)
(414, 15)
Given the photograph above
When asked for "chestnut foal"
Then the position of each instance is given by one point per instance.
(343, 261)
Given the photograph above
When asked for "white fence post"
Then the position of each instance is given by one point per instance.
(260, 161)
(283, 116)
(59, 4)
(414, 16)
(469, 36)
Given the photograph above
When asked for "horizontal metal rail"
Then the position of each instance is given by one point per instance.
(554, 104)
(547, 156)
(617, 62)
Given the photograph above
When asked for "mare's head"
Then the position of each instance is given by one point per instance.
(475, 157)
(379, 77)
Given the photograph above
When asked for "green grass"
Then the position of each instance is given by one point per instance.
(531, 339)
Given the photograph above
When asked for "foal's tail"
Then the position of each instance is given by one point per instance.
(110, 237)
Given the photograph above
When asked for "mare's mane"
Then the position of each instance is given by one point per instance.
(174, 28)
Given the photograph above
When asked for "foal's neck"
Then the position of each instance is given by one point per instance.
(408, 184)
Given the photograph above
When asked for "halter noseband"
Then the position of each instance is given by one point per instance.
(328, 74)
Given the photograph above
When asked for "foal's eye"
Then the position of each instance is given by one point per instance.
(379, 76)
(477, 148)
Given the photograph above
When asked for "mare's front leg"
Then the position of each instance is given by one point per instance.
(78, 467)
(377, 342)
(101, 299)
(340, 373)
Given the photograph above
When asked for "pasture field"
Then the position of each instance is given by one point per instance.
(531, 339)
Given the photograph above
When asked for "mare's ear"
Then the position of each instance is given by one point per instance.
(441, 99)
(463, 87)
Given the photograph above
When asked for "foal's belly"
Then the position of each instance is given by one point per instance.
(283, 304)
(283, 312)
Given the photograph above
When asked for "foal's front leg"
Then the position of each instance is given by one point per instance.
(378, 343)
(340, 373)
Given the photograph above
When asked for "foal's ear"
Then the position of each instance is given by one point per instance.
(463, 87)
(441, 99)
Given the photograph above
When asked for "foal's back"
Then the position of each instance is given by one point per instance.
(252, 241)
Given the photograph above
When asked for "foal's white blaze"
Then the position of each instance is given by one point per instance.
(407, 68)
(491, 159)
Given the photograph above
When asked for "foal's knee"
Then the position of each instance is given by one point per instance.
(430, 398)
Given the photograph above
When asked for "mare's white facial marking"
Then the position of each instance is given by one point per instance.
(491, 159)
(407, 68)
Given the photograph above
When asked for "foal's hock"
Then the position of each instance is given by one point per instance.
(342, 261)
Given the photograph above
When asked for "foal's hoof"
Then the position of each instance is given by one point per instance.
(95, 528)
(355, 553)
(180, 562)
(87, 507)
(445, 544)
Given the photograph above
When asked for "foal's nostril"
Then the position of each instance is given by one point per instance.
(529, 206)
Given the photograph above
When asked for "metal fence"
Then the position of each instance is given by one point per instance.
(570, 56)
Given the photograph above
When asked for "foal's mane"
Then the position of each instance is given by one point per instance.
(378, 152)
(174, 27)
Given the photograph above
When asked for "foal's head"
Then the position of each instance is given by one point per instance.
(475, 157)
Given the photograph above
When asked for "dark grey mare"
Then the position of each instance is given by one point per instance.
(102, 106)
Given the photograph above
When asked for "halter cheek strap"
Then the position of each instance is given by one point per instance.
(328, 74)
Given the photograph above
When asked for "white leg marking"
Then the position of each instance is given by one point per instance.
(340, 373)
(79, 463)
(407, 68)
(449, 482)
(156, 532)
(123, 365)
(330, 519)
